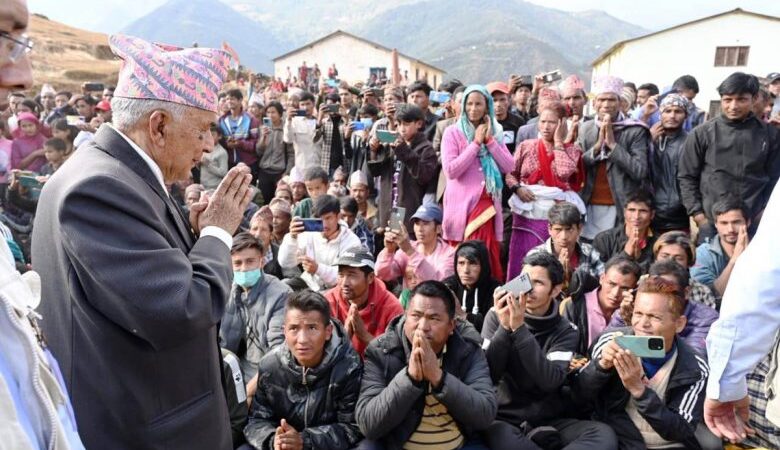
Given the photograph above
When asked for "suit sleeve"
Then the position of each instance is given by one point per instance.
(155, 291)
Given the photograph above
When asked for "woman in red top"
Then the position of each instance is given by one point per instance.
(552, 160)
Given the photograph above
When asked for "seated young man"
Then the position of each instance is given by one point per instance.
(426, 382)
(318, 251)
(360, 300)
(530, 347)
(632, 238)
(252, 321)
(307, 388)
(677, 246)
(699, 318)
(316, 181)
(565, 225)
(716, 257)
(428, 256)
(649, 403)
(591, 310)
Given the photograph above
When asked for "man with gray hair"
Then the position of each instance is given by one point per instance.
(133, 291)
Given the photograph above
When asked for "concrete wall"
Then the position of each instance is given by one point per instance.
(661, 58)
(353, 59)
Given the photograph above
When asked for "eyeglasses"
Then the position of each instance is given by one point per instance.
(15, 47)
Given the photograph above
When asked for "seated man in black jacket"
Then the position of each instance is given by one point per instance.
(529, 351)
(426, 383)
(634, 237)
(307, 389)
(649, 403)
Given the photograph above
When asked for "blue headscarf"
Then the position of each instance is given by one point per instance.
(493, 181)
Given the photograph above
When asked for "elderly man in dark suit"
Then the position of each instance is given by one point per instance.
(133, 290)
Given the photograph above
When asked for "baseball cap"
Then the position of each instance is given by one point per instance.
(428, 212)
(103, 105)
(497, 86)
(357, 256)
(772, 77)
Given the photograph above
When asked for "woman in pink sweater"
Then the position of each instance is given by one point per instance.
(473, 159)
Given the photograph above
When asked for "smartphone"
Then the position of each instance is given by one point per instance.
(397, 215)
(526, 80)
(333, 109)
(300, 112)
(94, 87)
(519, 285)
(74, 120)
(439, 96)
(357, 126)
(312, 224)
(553, 76)
(386, 136)
(643, 346)
(267, 122)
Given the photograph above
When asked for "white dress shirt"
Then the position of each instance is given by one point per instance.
(211, 230)
(750, 312)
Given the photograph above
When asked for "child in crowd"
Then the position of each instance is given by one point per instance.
(55, 150)
(27, 149)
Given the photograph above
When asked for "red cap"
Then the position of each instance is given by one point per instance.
(103, 105)
(497, 86)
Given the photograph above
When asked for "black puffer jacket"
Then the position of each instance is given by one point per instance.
(318, 402)
(391, 404)
(481, 293)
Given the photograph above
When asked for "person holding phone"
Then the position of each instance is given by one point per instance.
(474, 160)
(330, 131)
(649, 403)
(299, 131)
(239, 129)
(529, 348)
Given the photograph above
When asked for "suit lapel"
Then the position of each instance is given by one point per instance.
(109, 141)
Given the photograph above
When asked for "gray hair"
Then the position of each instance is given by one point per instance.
(128, 112)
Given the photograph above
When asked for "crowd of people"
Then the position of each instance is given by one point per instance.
(356, 252)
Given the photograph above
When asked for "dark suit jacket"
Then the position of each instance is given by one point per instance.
(131, 304)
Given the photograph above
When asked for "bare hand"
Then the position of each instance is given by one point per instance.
(525, 194)
(657, 130)
(742, 242)
(630, 371)
(430, 362)
(560, 133)
(632, 245)
(287, 438)
(571, 136)
(728, 420)
(358, 325)
(296, 227)
(609, 136)
(501, 304)
(627, 307)
(563, 257)
(226, 207)
(415, 368)
(309, 264)
(251, 389)
(480, 134)
(650, 107)
(607, 358)
(348, 130)
(391, 241)
(700, 219)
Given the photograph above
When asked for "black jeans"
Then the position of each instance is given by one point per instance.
(575, 434)
(266, 182)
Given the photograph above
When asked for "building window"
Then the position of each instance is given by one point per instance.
(731, 56)
(714, 109)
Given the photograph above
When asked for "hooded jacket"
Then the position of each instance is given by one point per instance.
(478, 300)
(391, 405)
(382, 307)
(530, 365)
(674, 417)
(319, 401)
(263, 308)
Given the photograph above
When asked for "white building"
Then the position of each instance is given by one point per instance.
(355, 58)
(710, 49)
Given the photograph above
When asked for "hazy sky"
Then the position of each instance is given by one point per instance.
(112, 15)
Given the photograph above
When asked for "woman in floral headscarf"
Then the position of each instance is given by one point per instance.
(473, 159)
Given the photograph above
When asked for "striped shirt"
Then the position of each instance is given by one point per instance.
(437, 429)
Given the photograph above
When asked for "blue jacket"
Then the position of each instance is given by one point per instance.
(710, 262)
